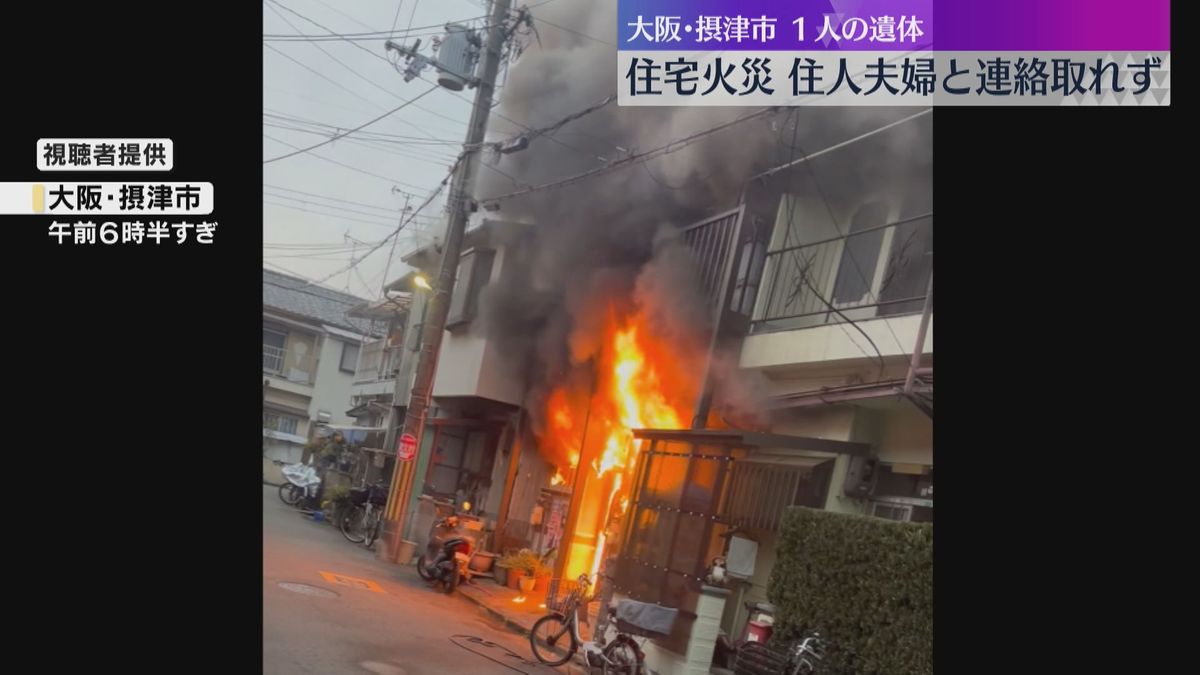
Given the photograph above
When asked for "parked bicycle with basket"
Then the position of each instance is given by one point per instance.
(555, 638)
(361, 521)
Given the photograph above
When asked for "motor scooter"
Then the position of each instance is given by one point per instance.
(447, 554)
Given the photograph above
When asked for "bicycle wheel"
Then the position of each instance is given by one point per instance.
(425, 572)
(353, 524)
(291, 494)
(552, 640)
(622, 658)
(373, 524)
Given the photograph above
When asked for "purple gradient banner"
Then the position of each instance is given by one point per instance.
(893, 25)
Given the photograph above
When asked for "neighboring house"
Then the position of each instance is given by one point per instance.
(477, 392)
(379, 363)
(310, 353)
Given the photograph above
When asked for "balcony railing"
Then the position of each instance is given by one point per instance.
(292, 366)
(877, 271)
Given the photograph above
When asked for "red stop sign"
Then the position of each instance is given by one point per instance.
(408, 447)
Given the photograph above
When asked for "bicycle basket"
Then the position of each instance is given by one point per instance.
(563, 595)
(358, 496)
(755, 658)
(379, 495)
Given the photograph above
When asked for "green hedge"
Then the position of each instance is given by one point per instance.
(866, 584)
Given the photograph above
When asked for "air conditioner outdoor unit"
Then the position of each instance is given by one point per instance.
(860, 477)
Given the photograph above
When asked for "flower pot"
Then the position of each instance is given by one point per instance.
(514, 578)
(482, 562)
(527, 583)
(501, 575)
(542, 583)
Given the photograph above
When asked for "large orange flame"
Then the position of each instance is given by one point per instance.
(643, 381)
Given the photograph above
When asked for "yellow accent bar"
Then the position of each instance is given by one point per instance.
(39, 198)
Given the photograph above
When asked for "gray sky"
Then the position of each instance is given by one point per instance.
(297, 238)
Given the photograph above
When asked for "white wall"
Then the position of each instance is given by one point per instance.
(471, 365)
(834, 343)
(333, 388)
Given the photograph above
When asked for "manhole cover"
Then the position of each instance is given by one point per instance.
(307, 590)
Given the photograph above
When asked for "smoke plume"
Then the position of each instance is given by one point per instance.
(613, 238)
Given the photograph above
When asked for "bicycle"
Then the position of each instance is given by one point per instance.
(804, 653)
(621, 655)
(802, 658)
(361, 522)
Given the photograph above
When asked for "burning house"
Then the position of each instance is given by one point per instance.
(646, 368)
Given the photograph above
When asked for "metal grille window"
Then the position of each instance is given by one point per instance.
(900, 512)
(712, 243)
(273, 342)
(759, 493)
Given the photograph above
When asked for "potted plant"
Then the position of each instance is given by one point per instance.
(541, 573)
(523, 563)
(511, 564)
(527, 584)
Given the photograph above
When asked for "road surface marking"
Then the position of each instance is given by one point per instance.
(353, 582)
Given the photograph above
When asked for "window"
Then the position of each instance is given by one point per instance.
(910, 260)
(904, 513)
(285, 424)
(900, 512)
(462, 460)
(273, 341)
(474, 272)
(759, 493)
(860, 256)
(349, 357)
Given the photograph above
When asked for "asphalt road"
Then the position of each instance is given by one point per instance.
(365, 616)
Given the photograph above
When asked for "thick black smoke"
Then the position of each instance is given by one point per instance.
(614, 236)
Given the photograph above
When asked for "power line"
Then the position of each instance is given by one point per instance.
(355, 72)
(322, 76)
(432, 195)
(573, 31)
(435, 29)
(422, 78)
(352, 70)
(373, 144)
(396, 19)
(347, 166)
(328, 215)
(368, 135)
(390, 209)
(665, 149)
(337, 209)
(361, 126)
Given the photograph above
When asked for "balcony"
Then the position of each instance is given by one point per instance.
(880, 271)
(298, 365)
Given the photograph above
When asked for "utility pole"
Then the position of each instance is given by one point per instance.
(459, 203)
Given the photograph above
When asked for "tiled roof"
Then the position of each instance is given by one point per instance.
(300, 298)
